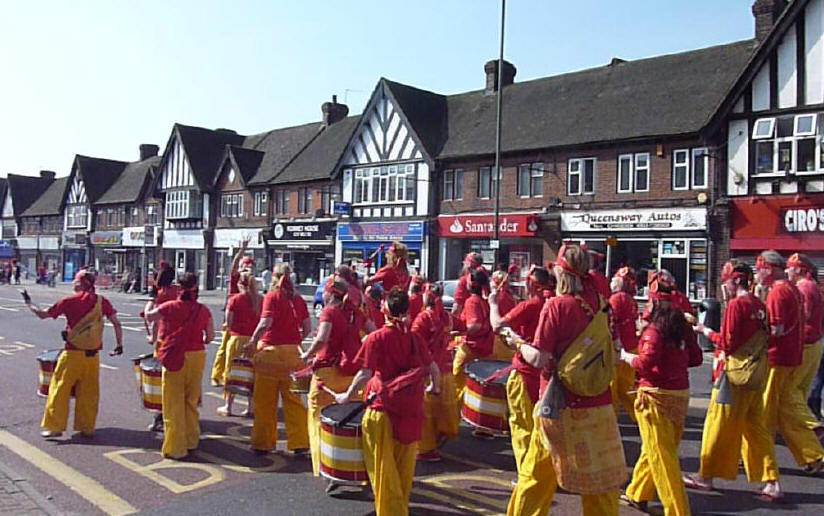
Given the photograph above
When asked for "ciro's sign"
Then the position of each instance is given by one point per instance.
(804, 220)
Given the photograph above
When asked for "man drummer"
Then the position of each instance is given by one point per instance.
(78, 366)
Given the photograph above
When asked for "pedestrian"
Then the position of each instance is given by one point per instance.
(242, 317)
(472, 261)
(164, 291)
(624, 320)
(266, 279)
(16, 272)
(78, 366)
(395, 273)
(185, 327)
(240, 262)
(284, 322)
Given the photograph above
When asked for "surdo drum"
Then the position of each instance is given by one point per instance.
(46, 362)
(241, 376)
(484, 403)
(341, 450)
(151, 384)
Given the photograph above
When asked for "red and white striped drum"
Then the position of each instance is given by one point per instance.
(484, 403)
(136, 361)
(151, 384)
(241, 376)
(341, 449)
(46, 362)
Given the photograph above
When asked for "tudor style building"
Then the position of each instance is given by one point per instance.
(42, 225)
(20, 193)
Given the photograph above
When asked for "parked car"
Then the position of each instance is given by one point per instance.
(317, 303)
(448, 298)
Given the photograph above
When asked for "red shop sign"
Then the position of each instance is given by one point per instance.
(480, 226)
(783, 223)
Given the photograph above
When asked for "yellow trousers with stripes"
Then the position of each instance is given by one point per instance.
(234, 347)
(181, 394)
(440, 415)
(265, 403)
(521, 421)
(73, 369)
(219, 365)
(390, 465)
(726, 427)
(622, 383)
(658, 469)
(537, 484)
(806, 373)
(317, 399)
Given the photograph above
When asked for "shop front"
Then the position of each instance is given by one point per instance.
(647, 239)
(7, 253)
(108, 256)
(74, 253)
(460, 234)
(27, 253)
(139, 246)
(309, 246)
(358, 241)
(227, 242)
(48, 247)
(185, 250)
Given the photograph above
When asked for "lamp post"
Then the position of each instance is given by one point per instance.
(498, 97)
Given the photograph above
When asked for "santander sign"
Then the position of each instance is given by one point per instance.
(473, 226)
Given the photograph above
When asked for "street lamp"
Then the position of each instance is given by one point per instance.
(496, 245)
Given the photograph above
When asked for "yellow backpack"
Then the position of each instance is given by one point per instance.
(747, 367)
(87, 334)
(587, 366)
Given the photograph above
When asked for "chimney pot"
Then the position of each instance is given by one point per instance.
(766, 13)
(333, 112)
(148, 150)
(48, 174)
(491, 71)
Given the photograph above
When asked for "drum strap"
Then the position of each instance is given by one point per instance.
(499, 374)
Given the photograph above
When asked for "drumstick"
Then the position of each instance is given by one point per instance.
(145, 323)
(326, 389)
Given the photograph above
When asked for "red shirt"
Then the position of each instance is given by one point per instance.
(415, 306)
(600, 283)
(461, 291)
(523, 319)
(175, 314)
(785, 307)
(743, 317)
(476, 311)
(432, 327)
(662, 364)
(811, 299)
(562, 320)
(373, 308)
(623, 315)
(287, 314)
(75, 307)
(244, 316)
(390, 277)
(169, 293)
(233, 279)
(506, 302)
(336, 316)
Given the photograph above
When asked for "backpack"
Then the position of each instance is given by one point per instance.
(747, 367)
(87, 334)
(587, 366)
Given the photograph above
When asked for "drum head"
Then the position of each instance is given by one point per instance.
(49, 356)
(480, 370)
(140, 358)
(150, 364)
(333, 414)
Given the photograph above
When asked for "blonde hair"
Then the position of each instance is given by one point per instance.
(400, 252)
(248, 282)
(498, 277)
(578, 260)
(280, 270)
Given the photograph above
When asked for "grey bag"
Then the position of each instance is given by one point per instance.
(724, 395)
(553, 401)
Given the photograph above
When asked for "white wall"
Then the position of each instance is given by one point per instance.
(814, 51)
(738, 157)
(787, 71)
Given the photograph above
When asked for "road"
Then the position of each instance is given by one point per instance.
(120, 470)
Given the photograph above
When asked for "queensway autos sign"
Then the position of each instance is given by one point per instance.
(652, 219)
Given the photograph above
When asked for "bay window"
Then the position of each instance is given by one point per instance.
(787, 144)
(386, 184)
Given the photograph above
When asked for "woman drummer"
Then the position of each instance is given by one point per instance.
(501, 302)
(185, 326)
(242, 317)
(624, 319)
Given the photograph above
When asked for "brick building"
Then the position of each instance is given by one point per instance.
(42, 223)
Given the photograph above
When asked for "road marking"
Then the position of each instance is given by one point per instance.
(9, 309)
(24, 344)
(474, 464)
(90, 489)
(449, 501)
(213, 474)
(442, 482)
(220, 397)
(107, 366)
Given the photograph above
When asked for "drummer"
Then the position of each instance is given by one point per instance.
(624, 319)
(284, 322)
(415, 297)
(501, 302)
(472, 261)
(395, 272)
(79, 365)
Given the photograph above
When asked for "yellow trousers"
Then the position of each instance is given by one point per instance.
(806, 373)
(181, 393)
(622, 383)
(440, 415)
(726, 426)
(782, 399)
(657, 468)
(390, 465)
(317, 399)
(234, 347)
(219, 365)
(265, 404)
(537, 484)
(73, 369)
(521, 421)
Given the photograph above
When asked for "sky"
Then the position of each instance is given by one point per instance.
(101, 77)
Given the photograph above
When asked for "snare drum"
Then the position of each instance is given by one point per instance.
(46, 362)
(241, 376)
(484, 403)
(341, 450)
(151, 384)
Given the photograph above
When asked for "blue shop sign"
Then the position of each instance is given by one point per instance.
(381, 231)
(6, 249)
(341, 208)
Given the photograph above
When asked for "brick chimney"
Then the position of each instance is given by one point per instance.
(333, 112)
(766, 13)
(491, 70)
(48, 174)
(148, 150)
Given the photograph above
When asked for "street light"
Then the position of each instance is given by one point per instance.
(497, 242)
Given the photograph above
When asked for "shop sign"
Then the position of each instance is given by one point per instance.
(183, 239)
(136, 236)
(650, 219)
(73, 238)
(106, 238)
(6, 249)
(27, 243)
(231, 238)
(783, 223)
(803, 220)
(49, 243)
(322, 232)
(381, 231)
(474, 226)
(341, 208)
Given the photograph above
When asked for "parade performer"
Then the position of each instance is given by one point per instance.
(372, 304)
(597, 278)
(501, 302)
(416, 297)
(624, 319)
(395, 364)
(581, 430)
(242, 316)
(472, 262)
(78, 366)
(441, 418)
(666, 349)
(663, 280)
(185, 327)
(395, 273)
(741, 416)
(801, 273)
(782, 396)
(240, 262)
(275, 343)
(523, 383)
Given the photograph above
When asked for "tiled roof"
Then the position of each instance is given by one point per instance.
(320, 157)
(51, 201)
(130, 183)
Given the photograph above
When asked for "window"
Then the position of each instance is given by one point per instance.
(151, 214)
(325, 199)
(700, 162)
(304, 200)
(530, 180)
(391, 184)
(100, 218)
(76, 217)
(633, 172)
(487, 183)
(121, 216)
(231, 205)
(281, 202)
(111, 216)
(581, 176)
(177, 204)
(787, 144)
(453, 184)
(261, 204)
(680, 169)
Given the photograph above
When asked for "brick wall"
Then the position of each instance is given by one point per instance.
(316, 187)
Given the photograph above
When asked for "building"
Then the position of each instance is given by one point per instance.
(20, 193)
(42, 225)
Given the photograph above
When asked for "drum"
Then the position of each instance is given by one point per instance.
(46, 362)
(341, 451)
(300, 384)
(241, 376)
(484, 403)
(151, 384)
(136, 361)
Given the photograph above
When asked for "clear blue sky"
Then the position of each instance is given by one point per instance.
(101, 77)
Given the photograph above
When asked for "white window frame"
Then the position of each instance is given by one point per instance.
(770, 133)
(798, 118)
(580, 165)
(704, 154)
(533, 171)
(448, 185)
(261, 199)
(536, 171)
(677, 163)
(376, 182)
(636, 167)
(631, 171)
(487, 182)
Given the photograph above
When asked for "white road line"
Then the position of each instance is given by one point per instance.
(107, 366)
(9, 309)
(239, 400)
(24, 344)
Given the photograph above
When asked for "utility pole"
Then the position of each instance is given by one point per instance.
(496, 245)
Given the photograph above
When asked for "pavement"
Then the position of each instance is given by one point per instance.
(120, 470)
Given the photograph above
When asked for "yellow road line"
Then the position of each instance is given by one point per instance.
(90, 489)
(448, 500)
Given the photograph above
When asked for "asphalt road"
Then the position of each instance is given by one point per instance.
(120, 470)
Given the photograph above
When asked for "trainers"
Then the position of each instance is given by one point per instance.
(224, 411)
(813, 468)
(247, 414)
(300, 452)
(430, 456)
(771, 493)
(216, 383)
(48, 434)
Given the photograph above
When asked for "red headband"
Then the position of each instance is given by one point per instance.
(795, 261)
(330, 288)
(761, 263)
(564, 265)
(728, 272)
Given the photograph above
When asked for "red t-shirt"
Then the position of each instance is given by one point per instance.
(415, 306)
(506, 302)
(233, 279)
(785, 307)
(390, 277)
(743, 316)
(374, 311)
(811, 299)
(562, 320)
(623, 315)
(432, 327)
(75, 307)
(337, 317)
(461, 291)
(662, 364)
(169, 293)
(523, 319)
(600, 283)
(175, 314)
(244, 316)
(287, 314)
(476, 311)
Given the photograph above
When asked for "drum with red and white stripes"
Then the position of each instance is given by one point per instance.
(341, 449)
(484, 401)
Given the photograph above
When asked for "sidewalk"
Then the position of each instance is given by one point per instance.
(18, 497)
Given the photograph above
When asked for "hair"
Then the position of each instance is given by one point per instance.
(399, 252)
(248, 282)
(576, 257)
(280, 270)
(595, 259)
(744, 269)
(188, 282)
(475, 257)
(346, 273)
(498, 276)
(542, 276)
(478, 281)
(397, 301)
(417, 285)
(773, 258)
(434, 293)
(337, 288)
(375, 292)
(670, 321)
(164, 277)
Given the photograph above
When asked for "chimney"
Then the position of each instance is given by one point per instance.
(766, 13)
(148, 150)
(333, 112)
(491, 70)
(48, 174)
(223, 130)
